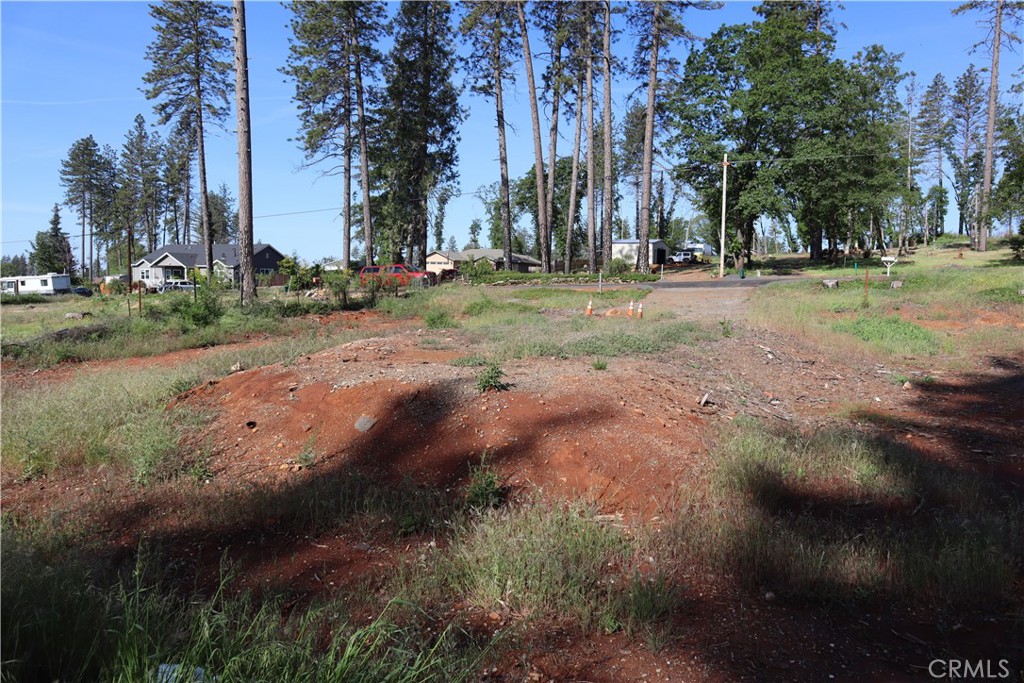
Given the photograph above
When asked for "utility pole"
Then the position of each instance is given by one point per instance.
(721, 251)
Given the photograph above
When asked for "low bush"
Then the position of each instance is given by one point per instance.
(490, 379)
(201, 310)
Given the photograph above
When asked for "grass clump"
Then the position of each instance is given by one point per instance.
(484, 488)
(439, 319)
(491, 379)
(469, 362)
(539, 561)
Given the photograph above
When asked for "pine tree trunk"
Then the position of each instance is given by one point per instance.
(591, 199)
(245, 227)
(609, 197)
(542, 219)
(556, 98)
(849, 231)
(575, 177)
(204, 204)
(346, 184)
(82, 265)
(92, 237)
(364, 160)
(990, 131)
(643, 264)
(187, 202)
(504, 208)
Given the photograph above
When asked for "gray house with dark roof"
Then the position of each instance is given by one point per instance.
(176, 261)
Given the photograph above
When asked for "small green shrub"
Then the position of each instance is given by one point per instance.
(338, 282)
(600, 364)
(490, 378)
(618, 266)
(201, 310)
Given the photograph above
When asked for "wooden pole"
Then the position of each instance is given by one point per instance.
(721, 250)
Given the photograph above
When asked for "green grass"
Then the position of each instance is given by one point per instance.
(118, 416)
(75, 620)
(840, 516)
(937, 287)
(892, 336)
(168, 323)
(483, 490)
(538, 561)
(506, 324)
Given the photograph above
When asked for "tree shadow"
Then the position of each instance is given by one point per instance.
(879, 564)
(402, 478)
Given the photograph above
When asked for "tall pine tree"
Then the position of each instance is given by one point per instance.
(190, 76)
(332, 55)
(51, 250)
(489, 27)
(419, 119)
(80, 174)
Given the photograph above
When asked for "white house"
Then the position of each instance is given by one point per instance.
(51, 283)
(657, 251)
(438, 261)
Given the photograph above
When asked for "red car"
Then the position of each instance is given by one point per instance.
(399, 272)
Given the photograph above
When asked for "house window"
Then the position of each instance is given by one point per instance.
(22, 282)
(42, 283)
(265, 271)
(144, 275)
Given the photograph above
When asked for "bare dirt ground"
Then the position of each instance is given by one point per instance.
(625, 437)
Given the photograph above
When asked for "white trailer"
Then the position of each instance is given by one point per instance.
(51, 283)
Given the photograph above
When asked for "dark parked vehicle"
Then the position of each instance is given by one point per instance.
(81, 291)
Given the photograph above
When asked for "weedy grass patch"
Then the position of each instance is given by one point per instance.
(840, 516)
(120, 416)
(936, 288)
(892, 335)
(84, 621)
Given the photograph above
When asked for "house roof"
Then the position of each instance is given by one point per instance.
(495, 255)
(449, 254)
(651, 241)
(498, 255)
(194, 255)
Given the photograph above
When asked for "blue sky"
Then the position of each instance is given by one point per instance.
(71, 69)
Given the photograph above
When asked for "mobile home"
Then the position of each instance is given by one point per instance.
(657, 251)
(51, 283)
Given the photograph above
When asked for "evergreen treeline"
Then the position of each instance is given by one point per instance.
(824, 155)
